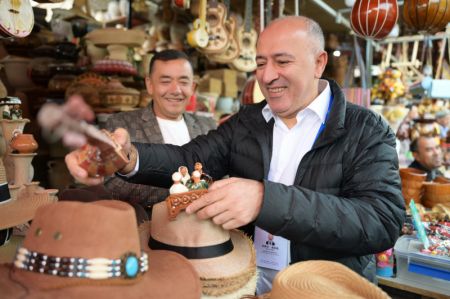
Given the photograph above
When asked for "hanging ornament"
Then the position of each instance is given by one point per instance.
(349, 3)
(426, 16)
(374, 19)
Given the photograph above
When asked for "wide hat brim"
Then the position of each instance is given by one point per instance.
(240, 259)
(229, 276)
(21, 210)
(169, 276)
(321, 279)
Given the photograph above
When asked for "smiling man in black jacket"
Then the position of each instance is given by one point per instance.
(304, 164)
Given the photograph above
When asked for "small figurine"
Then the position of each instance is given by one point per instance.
(177, 186)
(385, 263)
(6, 112)
(184, 174)
(16, 112)
(11, 108)
(203, 176)
(195, 183)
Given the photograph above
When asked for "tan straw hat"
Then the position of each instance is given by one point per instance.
(321, 279)
(18, 206)
(225, 260)
(92, 250)
(20, 210)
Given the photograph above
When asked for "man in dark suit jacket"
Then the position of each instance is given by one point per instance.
(171, 84)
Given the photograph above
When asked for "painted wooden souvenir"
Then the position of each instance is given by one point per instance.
(374, 19)
(426, 15)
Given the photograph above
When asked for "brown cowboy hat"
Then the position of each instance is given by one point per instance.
(92, 250)
(321, 279)
(225, 260)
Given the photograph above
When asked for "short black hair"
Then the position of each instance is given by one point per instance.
(413, 146)
(167, 55)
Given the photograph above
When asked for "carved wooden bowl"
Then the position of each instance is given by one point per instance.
(412, 184)
(435, 193)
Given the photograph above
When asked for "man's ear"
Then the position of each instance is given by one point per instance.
(149, 85)
(321, 62)
(416, 156)
(194, 87)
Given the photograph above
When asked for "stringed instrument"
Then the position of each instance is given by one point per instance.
(100, 156)
(198, 37)
(425, 15)
(217, 33)
(374, 19)
(16, 18)
(232, 51)
(247, 37)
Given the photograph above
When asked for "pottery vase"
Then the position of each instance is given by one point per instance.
(22, 167)
(8, 127)
(23, 143)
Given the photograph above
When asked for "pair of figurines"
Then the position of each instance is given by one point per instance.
(183, 182)
(12, 112)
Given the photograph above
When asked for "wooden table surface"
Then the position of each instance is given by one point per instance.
(415, 287)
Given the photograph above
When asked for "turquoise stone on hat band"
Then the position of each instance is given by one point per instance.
(131, 266)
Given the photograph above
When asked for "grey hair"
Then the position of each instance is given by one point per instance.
(312, 28)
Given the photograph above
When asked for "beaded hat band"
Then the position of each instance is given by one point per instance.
(128, 266)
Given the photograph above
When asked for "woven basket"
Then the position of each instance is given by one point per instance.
(436, 193)
(412, 184)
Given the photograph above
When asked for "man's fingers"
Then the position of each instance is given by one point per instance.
(79, 173)
(203, 201)
(122, 137)
(212, 210)
(232, 224)
(221, 183)
(76, 107)
(72, 164)
(92, 181)
(222, 218)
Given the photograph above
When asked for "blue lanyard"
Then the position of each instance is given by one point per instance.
(322, 126)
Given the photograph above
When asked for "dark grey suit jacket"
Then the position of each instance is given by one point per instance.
(143, 127)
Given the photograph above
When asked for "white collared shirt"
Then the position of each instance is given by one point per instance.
(174, 131)
(290, 145)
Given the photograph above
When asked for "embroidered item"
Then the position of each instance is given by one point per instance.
(128, 266)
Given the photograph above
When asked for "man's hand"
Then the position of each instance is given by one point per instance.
(231, 203)
(77, 108)
(120, 135)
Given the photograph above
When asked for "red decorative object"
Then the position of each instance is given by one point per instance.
(23, 143)
(182, 3)
(374, 18)
(426, 15)
(102, 160)
(117, 67)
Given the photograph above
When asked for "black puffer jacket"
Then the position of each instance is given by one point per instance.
(345, 203)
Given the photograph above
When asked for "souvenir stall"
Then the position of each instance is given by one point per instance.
(390, 56)
(411, 94)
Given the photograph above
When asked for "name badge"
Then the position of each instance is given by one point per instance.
(271, 251)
